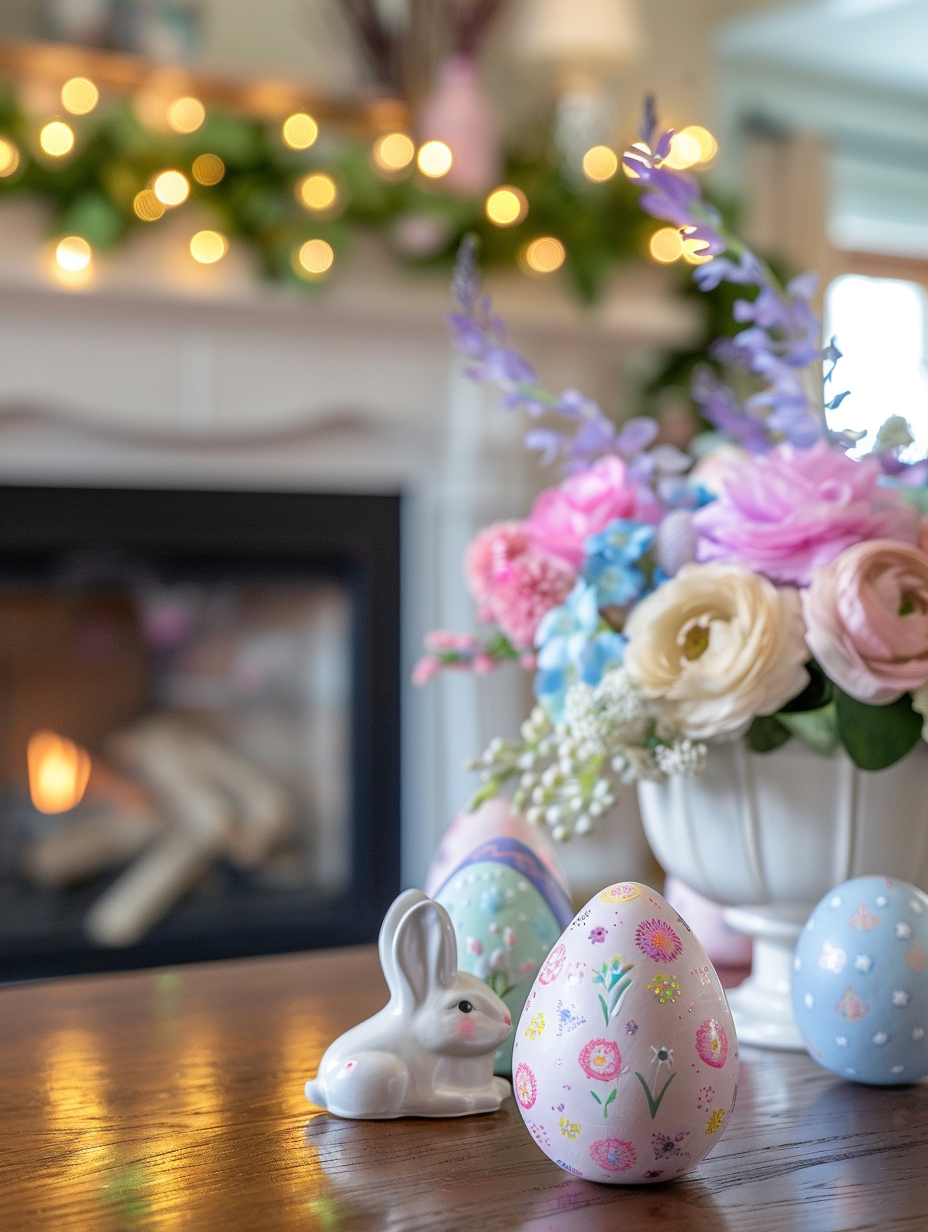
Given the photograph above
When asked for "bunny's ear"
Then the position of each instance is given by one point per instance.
(425, 950)
(391, 920)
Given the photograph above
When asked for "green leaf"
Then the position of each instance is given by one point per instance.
(817, 693)
(877, 736)
(818, 728)
(95, 218)
(767, 733)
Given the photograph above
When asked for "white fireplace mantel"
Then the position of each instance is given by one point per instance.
(151, 377)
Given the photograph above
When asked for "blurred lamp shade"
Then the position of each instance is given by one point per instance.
(586, 32)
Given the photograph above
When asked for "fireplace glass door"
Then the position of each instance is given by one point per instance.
(192, 737)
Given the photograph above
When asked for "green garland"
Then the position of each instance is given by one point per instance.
(92, 189)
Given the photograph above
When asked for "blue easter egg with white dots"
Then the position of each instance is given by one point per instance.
(860, 981)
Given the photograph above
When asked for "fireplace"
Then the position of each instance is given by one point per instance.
(199, 724)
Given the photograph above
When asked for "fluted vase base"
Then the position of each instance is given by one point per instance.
(762, 1006)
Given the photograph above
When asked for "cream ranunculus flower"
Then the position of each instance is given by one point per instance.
(717, 645)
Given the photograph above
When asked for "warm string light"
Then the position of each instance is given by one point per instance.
(57, 139)
(691, 145)
(631, 157)
(73, 254)
(208, 169)
(299, 131)
(208, 247)
(185, 115)
(9, 158)
(694, 251)
(317, 192)
(171, 188)
(666, 245)
(434, 159)
(394, 152)
(544, 255)
(506, 206)
(314, 259)
(79, 96)
(600, 164)
(147, 206)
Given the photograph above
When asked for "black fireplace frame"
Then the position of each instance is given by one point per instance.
(352, 537)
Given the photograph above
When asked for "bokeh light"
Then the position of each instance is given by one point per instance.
(57, 139)
(600, 164)
(544, 255)
(185, 115)
(435, 159)
(300, 131)
(694, 250)
(171, 188)
(394, 151)
(666, 245)
(147, 206)
(691, 145)
(9, 157)
(208, 169)
(79, 96)
(317, 191)
(506, 206)
(208, 247)
(314, 258)
(73, 253)
(631, 157)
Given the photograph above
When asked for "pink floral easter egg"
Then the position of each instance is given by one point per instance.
(625, 1061)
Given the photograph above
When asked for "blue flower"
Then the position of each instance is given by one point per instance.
(611, 557)
(573, 644)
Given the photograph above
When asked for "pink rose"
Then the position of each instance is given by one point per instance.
(581, 506)
(788, 513)
(515, 581)
(867, 620)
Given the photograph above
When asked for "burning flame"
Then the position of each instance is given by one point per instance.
(58, 772)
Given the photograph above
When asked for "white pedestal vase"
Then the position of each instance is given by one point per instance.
(769, 834)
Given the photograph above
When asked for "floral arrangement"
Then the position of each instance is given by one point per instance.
(769, 585)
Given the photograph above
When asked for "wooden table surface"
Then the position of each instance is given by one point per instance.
(174, 1100)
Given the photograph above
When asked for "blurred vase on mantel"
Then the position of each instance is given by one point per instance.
(459, 114)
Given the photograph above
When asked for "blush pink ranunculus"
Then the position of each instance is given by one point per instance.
(582, 505)
(867, 620)
(514, 581)
(793, 510)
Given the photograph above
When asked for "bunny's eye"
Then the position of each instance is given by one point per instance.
(465, 1007)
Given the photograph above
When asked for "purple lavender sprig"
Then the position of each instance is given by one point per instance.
(482, 337)
(782, 340)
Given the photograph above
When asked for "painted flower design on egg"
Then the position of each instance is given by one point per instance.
(664, 1145)
(525, 1085)
(658, 941)
(712, 1043)
(553, 964)
(613, 1154)
(601, 1059)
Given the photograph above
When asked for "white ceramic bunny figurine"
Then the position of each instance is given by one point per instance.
(429, 1051)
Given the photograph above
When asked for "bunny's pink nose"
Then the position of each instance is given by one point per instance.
(507, 1019)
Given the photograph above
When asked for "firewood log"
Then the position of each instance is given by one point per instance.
(93, 842)
(148, 888)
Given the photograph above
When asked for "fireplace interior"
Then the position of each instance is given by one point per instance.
(199, 724)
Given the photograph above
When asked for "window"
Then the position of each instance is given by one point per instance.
(880, 327)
